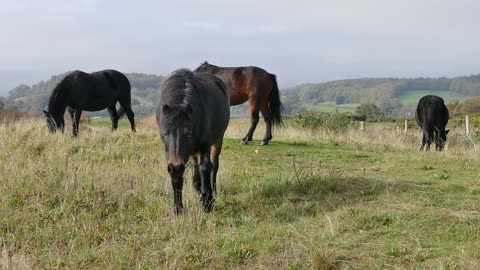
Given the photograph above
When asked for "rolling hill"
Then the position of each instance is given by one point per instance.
(394, 96)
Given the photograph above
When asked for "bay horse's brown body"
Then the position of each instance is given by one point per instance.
(255, 85)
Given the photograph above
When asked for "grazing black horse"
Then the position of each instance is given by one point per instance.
(192, 115)
(258, 87)
(80, 91)
(432, 117)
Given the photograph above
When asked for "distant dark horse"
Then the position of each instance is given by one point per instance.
(192, 115)
(432, 117)
(255, 85)
(95, 91)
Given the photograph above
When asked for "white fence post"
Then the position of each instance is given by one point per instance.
(406, 126)
(467, 125)
(362, 125)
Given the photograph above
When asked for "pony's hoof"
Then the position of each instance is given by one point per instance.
(264, 143)
(244, 142)
(208, 207)
(177, 211)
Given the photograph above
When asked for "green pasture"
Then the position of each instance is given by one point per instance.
(103, 201)
(412, 97)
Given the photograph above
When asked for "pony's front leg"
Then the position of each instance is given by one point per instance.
(197, 182)
(176, 174)
(177, 184)
(206, 191)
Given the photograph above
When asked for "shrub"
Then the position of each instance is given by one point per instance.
(330, 121)
(10, 115)
(367, 110)
(471, 105)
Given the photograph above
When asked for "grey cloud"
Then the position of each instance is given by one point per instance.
(301, 41)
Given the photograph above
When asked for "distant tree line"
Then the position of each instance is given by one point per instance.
(384, 93)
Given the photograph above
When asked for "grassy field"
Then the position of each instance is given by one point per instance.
(413, 97)
(106, 122)
(309, 200)
(407, 98)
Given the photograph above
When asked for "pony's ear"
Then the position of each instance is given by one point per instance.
(446, 131)
(166, 109)
(47, 114)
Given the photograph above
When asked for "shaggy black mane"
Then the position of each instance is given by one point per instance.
(177, 91)
(58, 93)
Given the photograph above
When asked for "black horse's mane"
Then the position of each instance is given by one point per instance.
(177, 91)
(58, 92)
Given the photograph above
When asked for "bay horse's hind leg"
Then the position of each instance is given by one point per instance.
(254, 113)
(113, 116)
(268, 125)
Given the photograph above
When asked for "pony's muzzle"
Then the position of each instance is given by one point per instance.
(176, 170)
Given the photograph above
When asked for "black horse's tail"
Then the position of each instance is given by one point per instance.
(114, 85)
(274, 105)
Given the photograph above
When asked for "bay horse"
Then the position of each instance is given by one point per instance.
(80, 91)
(432, 116)
(192, 115)
(255, 85)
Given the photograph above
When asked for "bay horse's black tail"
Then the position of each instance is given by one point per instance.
(274, 104)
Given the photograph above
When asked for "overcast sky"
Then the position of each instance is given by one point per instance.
(300, 41)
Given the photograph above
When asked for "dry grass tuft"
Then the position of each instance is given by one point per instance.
(11, 260)
(374, 136)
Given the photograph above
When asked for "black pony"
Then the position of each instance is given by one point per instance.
(80, 91)
(432, 116)
(192, 115)
(258, 87)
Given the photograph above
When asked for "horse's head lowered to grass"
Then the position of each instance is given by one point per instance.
(55, 121)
